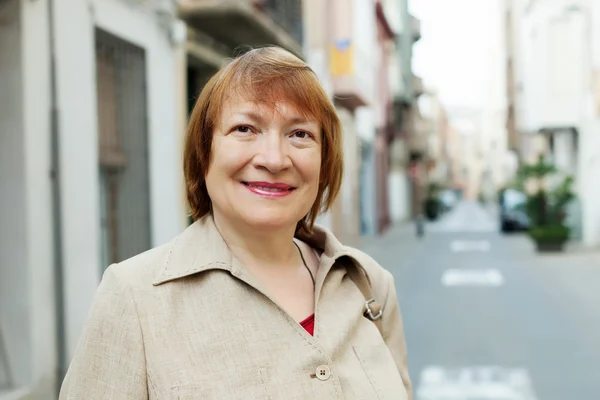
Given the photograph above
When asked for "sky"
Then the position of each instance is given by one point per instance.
(453, 53)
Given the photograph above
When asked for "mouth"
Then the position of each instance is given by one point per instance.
(269, 189)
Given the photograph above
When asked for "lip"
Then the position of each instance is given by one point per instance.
(269, 189)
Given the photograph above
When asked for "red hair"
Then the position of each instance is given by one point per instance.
(265, 73)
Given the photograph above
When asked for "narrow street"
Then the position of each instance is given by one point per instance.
(486, 317)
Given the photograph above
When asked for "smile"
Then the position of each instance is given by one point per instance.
(269, 189)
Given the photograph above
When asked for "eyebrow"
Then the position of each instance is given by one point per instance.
(258, 118)
(251, 115)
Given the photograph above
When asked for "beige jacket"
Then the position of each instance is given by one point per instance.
(187, 321)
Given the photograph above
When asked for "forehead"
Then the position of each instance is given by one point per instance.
(248, 102)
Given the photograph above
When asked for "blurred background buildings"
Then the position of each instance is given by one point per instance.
(95, 96)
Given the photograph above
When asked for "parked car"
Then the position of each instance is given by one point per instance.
(513, 216)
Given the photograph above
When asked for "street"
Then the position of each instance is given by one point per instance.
(486, 317)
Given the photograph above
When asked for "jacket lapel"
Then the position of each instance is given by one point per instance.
(201, 247)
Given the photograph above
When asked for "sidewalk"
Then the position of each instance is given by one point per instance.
(581, 249)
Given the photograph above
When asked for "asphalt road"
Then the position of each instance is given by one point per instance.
(486, 317)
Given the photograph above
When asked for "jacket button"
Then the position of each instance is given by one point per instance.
(323, 372)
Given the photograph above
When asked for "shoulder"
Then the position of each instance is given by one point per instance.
(323, 239)
(139, 270)
(380, 277)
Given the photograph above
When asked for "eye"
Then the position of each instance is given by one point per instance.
(243, 129)
(302, 135)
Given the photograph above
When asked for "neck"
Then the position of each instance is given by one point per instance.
(268, 248)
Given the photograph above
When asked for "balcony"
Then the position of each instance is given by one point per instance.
(352, 75)
(203, 51)
(247, 22)
(402, 117)
(415, 26)
(398, 154)
(418, 142)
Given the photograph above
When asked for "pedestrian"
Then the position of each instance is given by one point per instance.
(252, 300)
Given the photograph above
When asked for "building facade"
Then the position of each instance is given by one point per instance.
(340, 45)
(397, 83)
(89, 167)
(555, 60)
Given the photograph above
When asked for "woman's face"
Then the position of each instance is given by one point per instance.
(265, 164)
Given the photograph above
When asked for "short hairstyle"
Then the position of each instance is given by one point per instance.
(274, 74)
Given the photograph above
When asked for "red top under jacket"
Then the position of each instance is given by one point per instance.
(309, 324)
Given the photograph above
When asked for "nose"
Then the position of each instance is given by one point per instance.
(273, 153)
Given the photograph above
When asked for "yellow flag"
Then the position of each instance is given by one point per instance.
(341, 59)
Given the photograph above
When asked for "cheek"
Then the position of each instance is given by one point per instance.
(224, 160)
(311, 169)
(218, 170)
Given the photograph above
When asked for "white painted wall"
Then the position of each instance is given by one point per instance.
(517, 9)
(365, 35)
(74, 32)
(565, 156)
(393, 12)
(494, 135)
(365, 129)
(365, 123)
(553, 48)
(27, 292)
(27, 310)
(75, 24)
(589, 189)
(347, 195)
(589, 145)
(14, 300)
(350, 190)
(316, 20)
(39, 223)
(366, 53)
(368, 189)
(566, 58)
(399, 195)
(365, 32)
(315, 41)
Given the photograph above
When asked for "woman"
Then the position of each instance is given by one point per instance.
(252, 301)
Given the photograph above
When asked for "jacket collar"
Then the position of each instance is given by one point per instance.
(201, 247)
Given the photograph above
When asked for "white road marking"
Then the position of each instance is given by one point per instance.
(472, 277)
(475, 383)
(459, 246)
(450, 227)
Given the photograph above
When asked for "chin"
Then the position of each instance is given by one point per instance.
(270, 220)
